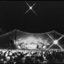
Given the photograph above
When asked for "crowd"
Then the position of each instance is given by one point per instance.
(20, 58)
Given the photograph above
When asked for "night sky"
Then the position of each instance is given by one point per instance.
(50, 16)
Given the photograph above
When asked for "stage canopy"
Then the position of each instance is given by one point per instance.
(19, 39)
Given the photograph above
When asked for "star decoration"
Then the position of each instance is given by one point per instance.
(30, 8)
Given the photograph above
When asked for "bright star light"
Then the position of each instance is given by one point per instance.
(55, 42)
(30, 8)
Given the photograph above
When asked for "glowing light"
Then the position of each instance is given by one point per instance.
(30, 8)
(55, 42)
(44, 47)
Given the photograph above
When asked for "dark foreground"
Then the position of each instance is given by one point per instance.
(48, 57)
